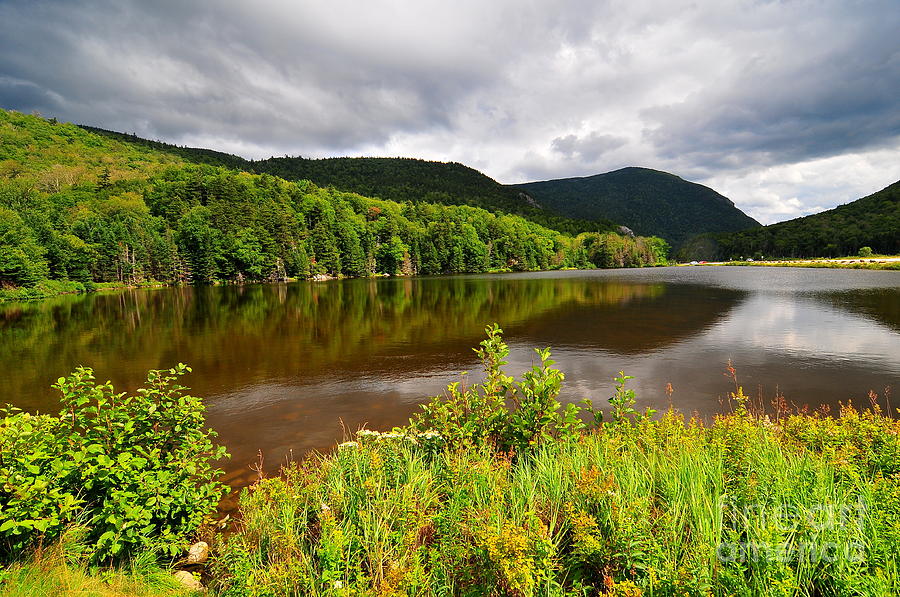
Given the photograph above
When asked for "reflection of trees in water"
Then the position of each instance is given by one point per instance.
(881, 305)
(644, 323)
(233, 336)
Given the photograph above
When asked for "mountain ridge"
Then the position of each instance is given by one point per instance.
(646, 200)
(406, 179)
(79, 209)
(871, 221)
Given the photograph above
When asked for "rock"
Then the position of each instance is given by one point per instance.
(529, 200)
(198, 553)
(188, 580)
(625, 231)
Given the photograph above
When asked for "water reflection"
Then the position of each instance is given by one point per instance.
(284, 366)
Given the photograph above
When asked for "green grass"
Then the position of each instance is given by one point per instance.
(43, 289)
(50, 288)
(654, 508)
(56, 572)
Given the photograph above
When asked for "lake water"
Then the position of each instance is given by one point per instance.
(285, 368)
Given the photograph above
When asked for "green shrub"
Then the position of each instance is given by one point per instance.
(135, 471)
(42, 289)
(865, 251)
(500, 411)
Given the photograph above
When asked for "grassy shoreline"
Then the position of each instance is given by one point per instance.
(51, 288)
(496, 489)
(875, 262)
(655, 508)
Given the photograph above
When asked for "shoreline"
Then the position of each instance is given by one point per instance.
(881, 263)
(46, 289)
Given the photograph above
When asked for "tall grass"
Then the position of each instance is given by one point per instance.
(806, 505)
(59, 571)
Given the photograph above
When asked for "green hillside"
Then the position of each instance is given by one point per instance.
(407, 179)
(872, 221)
(393, 179)
(648, 201)
(86, 208)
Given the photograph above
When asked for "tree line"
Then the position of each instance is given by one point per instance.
(204, 224)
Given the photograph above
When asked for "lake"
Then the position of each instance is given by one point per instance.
(287, 368)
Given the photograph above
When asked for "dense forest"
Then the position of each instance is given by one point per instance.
(79, 206)
(872, 221)
(647, 201)
(393, 179)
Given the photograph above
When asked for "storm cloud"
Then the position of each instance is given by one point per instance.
(786, 107)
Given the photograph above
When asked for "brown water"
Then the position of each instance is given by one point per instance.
(284, 368)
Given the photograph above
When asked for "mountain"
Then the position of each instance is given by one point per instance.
(872, 221)
(393, 179)
(409, 179)
(648, 201)
(79, 208)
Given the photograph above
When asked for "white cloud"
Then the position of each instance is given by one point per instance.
(786, 191)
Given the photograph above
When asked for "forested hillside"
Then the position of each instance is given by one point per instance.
(872, 221)
(647, 201)
(394, 179)
(79, 206)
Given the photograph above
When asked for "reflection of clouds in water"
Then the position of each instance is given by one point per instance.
(770, 335)
(771, 338)
(269, 395)
(805, 328)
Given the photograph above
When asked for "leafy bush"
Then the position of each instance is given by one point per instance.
(516, 416)
(135, 471)
(865, 251)
(506, 414)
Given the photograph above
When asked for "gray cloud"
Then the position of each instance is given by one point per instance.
(765, 101)
(832, 91)
(589, 147)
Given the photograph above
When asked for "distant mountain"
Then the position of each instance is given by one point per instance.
(872, 221)
(648, 201)
(393, 179)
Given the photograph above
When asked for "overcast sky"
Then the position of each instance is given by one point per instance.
(788, 108)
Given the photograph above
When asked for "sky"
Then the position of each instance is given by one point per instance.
(787, 108)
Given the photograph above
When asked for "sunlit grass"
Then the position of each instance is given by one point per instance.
(53, 572)
(645, 508)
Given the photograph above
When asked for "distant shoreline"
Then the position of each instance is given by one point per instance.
(891, 263)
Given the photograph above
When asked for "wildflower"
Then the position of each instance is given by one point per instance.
(325, 508)
(338, 584)
(348, 445)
